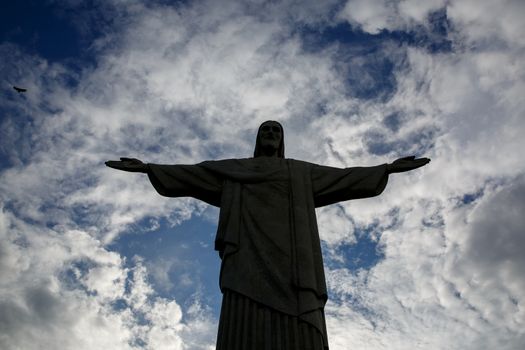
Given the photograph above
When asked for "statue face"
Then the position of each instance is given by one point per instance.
(270, 135)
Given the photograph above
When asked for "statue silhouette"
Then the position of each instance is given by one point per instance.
(272, 276)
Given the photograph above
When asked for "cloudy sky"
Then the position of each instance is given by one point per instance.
(93, 258)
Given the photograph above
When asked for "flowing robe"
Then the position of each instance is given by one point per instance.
(267, 234)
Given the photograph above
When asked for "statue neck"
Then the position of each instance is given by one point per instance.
(269, 152)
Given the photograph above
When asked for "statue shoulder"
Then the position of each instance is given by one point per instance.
(300, 163)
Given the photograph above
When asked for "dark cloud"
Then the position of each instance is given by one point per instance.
(497, 231)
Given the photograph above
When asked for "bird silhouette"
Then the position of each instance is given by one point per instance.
(19, 90)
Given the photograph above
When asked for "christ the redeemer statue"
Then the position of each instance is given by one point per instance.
(272, 276)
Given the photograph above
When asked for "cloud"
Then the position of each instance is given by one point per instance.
(67, 291)
(161, 89)
(487, 23)
(447, 287)
(180, 84)
(374, 16)
(489, 260)
(444, 269)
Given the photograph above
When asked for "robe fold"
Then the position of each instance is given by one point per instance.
(267, 235)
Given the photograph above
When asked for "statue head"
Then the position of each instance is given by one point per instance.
(270, 140)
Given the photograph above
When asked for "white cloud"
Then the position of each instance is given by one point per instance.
(336, 226)
(371, 15)
(489, 23)
(442, 278)
(376, 15)
(62, 291)
(192, 83)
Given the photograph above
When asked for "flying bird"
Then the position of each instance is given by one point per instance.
(19, 90)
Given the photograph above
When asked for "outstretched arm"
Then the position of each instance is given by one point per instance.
(176, 180)
(406, 164)
(128, 164)
(332, 185)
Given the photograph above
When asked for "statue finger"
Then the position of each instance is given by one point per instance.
(113, 164)
(421, 162)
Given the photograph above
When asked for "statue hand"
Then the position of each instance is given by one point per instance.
(406, 164)
(128, 164)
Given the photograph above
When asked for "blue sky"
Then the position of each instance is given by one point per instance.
(94, 258)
